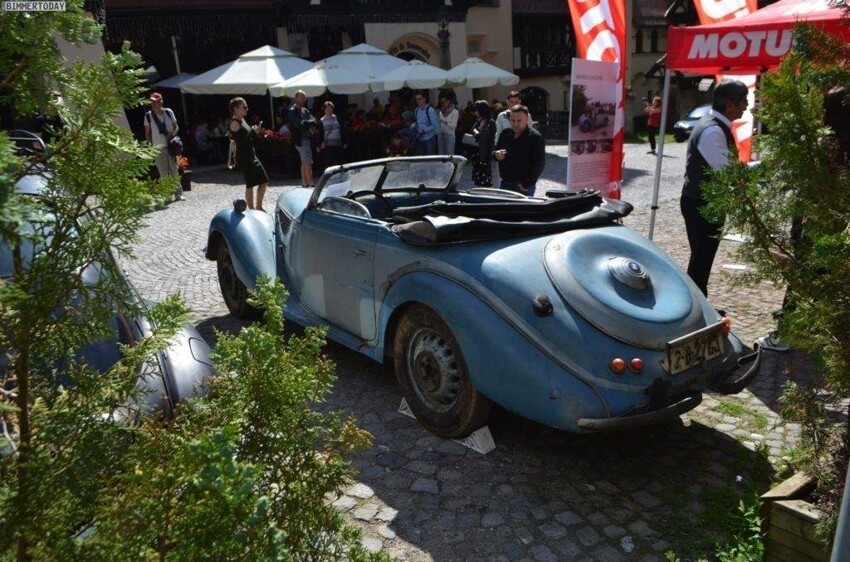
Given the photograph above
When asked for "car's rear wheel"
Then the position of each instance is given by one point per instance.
(233, 290)
(433, 377)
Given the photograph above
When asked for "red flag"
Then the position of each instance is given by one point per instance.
(713, 11)
(600, 33)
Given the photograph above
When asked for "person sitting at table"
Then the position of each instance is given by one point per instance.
(397, 146)
(207, 147)
(392, 119)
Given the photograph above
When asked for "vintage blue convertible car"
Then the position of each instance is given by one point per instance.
(547, 307)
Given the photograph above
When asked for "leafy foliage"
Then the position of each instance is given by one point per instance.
(795, 210)
(249, 468)
(242, 474)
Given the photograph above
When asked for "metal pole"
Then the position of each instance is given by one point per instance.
(271, 124)
(841, 544)
(182, 95)
(659, 157)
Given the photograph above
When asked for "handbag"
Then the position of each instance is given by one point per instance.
(231, 155)
(175, 146)
(469, 140)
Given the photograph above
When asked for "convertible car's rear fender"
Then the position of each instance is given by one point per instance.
(502, 363)
(250, 238)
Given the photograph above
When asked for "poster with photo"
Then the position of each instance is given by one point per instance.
(593, 104)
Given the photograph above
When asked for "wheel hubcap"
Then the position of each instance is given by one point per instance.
(433, 365)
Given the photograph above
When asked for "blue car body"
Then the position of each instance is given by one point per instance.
(522, 302)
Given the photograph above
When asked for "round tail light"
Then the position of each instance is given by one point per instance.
(617, 365)
(636, 365)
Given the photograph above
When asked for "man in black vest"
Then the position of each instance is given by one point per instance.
(708, 149)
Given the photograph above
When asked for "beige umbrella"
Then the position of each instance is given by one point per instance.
(480, 74)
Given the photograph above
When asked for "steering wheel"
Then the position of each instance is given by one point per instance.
(378, 197)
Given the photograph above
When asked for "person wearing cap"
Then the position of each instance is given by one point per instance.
(160, 127)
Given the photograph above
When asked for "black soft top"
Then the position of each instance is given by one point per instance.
(444, 222)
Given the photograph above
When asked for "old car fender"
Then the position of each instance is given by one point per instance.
(250, 238)
(495, 352)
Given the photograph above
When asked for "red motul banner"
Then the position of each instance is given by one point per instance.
(600, 33)
(750, 44)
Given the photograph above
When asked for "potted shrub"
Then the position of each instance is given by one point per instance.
(794, 209)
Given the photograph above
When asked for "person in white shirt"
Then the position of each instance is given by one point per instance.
(160, 128)
(449, 116)
(503, 119)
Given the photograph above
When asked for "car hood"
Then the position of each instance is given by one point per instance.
(624, 285)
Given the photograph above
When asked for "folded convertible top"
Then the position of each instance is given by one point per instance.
(442, 222)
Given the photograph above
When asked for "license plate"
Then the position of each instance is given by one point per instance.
(694, 349)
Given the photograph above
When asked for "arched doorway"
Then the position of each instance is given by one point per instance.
(410, 55)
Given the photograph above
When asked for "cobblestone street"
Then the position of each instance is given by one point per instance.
(542, 494)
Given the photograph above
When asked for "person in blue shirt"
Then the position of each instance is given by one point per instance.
(426, 123)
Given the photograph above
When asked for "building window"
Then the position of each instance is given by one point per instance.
(638, 41)
(653, 41)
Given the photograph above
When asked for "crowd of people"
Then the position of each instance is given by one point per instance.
(406, 125)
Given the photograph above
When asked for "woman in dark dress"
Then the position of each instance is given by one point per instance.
(484, 132)
(246, 158)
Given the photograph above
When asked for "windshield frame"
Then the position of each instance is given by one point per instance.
(319, 193)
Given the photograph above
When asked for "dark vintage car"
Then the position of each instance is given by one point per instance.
(180, 371)
(548, 307)
(682, 129)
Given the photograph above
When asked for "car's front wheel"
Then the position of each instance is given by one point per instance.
(233, 290)
(433, 376)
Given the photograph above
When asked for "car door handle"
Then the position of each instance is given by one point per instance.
(361, 253)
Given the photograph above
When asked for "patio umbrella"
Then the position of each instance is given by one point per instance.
(253, 73)
(365, 60)
(174, 81)
(480, 74)
(322, 77)
(417, 75)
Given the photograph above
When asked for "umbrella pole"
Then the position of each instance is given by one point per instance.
(177, 65)
(271, 111)
(660, 156)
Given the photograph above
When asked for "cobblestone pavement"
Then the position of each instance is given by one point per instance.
(542, 494)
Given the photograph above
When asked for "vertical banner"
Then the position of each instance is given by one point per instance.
(600, 33)
(712, 11)
(593, 100)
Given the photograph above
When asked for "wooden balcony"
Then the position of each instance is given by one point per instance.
(538, 61)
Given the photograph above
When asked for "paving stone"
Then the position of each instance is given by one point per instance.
(568, 518)
(513, 551)
(361, 491)
(426, 485)
(387, 531)
(421, 467)
(542, 553)
(598, 519)
(468, 520)
(492, 519)
(539, 513)
(372, 545)
(387, 514)
(641, 528)
(344, 503)
(646, 499)
(660, 545)
(588, 536)
(613, 531)
(524, 535)
(607, 554)
(552, 531)
(366, 512)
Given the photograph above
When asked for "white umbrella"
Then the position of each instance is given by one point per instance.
(322, 77)
(365, 60)
(253, 73)
(480, 74)
(174, 81)
(417, 75)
